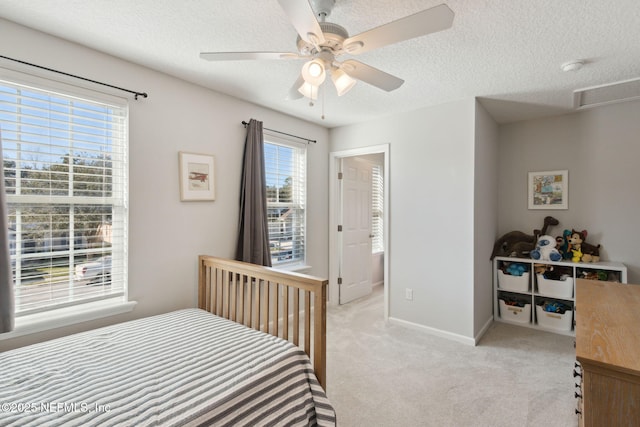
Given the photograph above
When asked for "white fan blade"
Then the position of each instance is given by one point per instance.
(239, 56)
(294, 93)
(428, 21)
(371, 75)
(304, 20)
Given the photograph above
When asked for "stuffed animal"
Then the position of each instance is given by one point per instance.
(595, 275)
(591, 253)
(516, 269)
(584, 252)
(519, 244)
(546, 249)
(577, 252)
(575, 246)
(540, 268)
(553, 272)
(557, 273)
(563, 244)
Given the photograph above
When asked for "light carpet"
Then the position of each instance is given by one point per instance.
(387, 375)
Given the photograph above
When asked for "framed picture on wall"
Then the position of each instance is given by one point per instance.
(196, 177)
(549, 190)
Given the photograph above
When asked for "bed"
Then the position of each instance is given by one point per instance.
(245, 357)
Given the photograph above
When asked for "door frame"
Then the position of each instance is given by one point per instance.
(334, 211)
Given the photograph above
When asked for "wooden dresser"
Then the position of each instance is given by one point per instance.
(608, 348)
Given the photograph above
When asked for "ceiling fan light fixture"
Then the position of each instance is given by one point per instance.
(342, 81)
(308, 90)
(313, 72)
(315, 69)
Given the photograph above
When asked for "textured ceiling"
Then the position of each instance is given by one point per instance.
(506, 52)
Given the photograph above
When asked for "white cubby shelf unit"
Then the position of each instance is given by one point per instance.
(532, 291)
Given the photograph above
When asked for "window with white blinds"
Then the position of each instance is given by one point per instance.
(377, 209)
(286, 201)
(65, 172)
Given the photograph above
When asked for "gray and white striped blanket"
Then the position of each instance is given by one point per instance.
(187, 367)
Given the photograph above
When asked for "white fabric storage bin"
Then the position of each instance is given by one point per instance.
(555, 288)
(513, 283)
(514, 313)
(556, 321)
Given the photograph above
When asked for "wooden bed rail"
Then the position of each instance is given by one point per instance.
(269, 300)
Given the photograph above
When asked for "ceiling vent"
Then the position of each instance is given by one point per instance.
(611, 93)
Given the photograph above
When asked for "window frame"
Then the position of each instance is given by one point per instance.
(299, 192)
(55, 316)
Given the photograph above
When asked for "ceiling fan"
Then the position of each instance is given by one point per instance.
(321, 42)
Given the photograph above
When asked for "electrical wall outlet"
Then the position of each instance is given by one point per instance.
(408, 294)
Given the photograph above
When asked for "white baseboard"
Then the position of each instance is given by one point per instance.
(484, 330)
(433, 331)
(380, 283)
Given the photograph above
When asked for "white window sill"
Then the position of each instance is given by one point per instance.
(39, 322)
(297, 268)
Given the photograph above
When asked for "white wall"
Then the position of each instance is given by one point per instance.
(600, 149)
(431, 215)
(486, 216)
(166, 235)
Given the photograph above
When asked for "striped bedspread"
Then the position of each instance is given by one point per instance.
(183, 368)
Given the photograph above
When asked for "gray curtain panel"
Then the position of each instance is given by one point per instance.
(253, 237)
(6, 278)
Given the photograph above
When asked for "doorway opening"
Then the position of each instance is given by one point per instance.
(347, 205)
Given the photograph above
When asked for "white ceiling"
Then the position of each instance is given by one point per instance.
(507, 52)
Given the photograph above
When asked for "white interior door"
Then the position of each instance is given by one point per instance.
(355, 268)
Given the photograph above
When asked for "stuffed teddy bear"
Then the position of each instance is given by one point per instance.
(545, 249)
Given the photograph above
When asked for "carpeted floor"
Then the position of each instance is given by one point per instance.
(387, 375)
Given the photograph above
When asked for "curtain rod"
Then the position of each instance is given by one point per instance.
(136, 94)
(284, 133)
